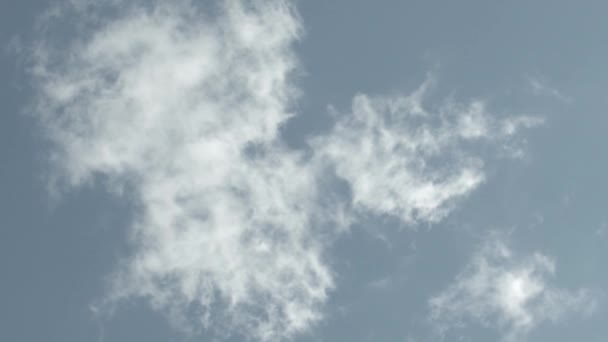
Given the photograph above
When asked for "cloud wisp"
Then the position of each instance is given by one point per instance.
(403, 160)
(506, 291)
(182, 110)
(539, 87)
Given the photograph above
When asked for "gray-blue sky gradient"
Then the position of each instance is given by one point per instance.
(542, 198)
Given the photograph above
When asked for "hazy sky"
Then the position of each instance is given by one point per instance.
(278, 170)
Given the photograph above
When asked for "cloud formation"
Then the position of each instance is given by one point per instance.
(186, 113)
(181, 110)
(401, 159)
(539, 87)
(503, 290)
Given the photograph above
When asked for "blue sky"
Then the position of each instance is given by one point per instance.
(276, 170)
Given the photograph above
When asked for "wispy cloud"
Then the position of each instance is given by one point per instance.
(402, 159)
(505, 291)
(539, 87)
(180, 111)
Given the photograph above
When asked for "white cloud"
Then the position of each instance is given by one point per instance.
(180, 111)
(540, 88)
(402, 160)
(185, 111)
(506, 291)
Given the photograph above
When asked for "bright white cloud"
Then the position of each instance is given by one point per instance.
(185, 112)
(508, 292)
(180, 111)
(402, 160)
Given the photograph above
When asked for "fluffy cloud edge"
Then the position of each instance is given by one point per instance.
(507, 291)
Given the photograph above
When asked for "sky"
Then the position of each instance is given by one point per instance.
(284, 170)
